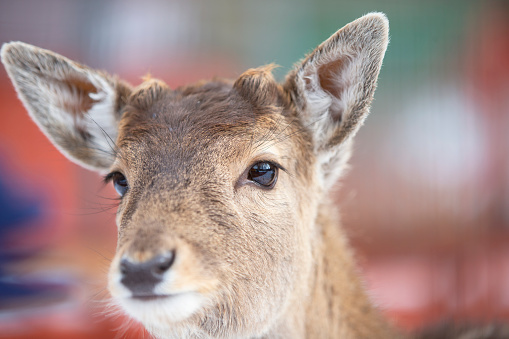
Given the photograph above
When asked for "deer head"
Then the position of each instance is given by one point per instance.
(221, 182)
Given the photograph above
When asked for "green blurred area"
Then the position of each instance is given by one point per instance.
(423, 33)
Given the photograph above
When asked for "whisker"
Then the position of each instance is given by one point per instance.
(114, 149)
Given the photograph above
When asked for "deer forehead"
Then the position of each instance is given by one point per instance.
(202, 127)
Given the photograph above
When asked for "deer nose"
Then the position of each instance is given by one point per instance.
(142, 277)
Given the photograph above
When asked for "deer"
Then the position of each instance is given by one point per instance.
(225, 224)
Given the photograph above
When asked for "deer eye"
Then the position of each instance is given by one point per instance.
(264, 174)
(120, 183)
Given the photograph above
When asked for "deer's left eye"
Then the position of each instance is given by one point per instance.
(264, 174)
(119, 182)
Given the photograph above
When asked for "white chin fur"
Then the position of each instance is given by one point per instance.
(161, 313)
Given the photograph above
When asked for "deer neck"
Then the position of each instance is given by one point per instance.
(338, 306)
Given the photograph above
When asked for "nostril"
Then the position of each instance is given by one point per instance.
(163, 263)
(124, 267)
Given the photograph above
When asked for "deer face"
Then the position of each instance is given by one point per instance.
(220, 182)
(211, 223)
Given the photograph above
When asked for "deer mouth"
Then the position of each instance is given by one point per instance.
(150, 297)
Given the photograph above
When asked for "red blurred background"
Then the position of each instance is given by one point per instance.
(426, 203)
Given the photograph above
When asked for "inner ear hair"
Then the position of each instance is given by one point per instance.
(334, 85)
(81, 90)
(328, 83)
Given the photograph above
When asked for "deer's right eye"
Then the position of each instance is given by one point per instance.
(264, 174)
(119, 182)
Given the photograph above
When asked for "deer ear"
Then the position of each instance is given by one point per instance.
(76, 107)
(333, 87)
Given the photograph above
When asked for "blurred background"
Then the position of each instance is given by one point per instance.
(426, 204)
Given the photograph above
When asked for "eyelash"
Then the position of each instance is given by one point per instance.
(108, 177)
(275, 164)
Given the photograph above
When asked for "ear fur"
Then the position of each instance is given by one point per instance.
(258, 86)
(333, 87)
(76, 107)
